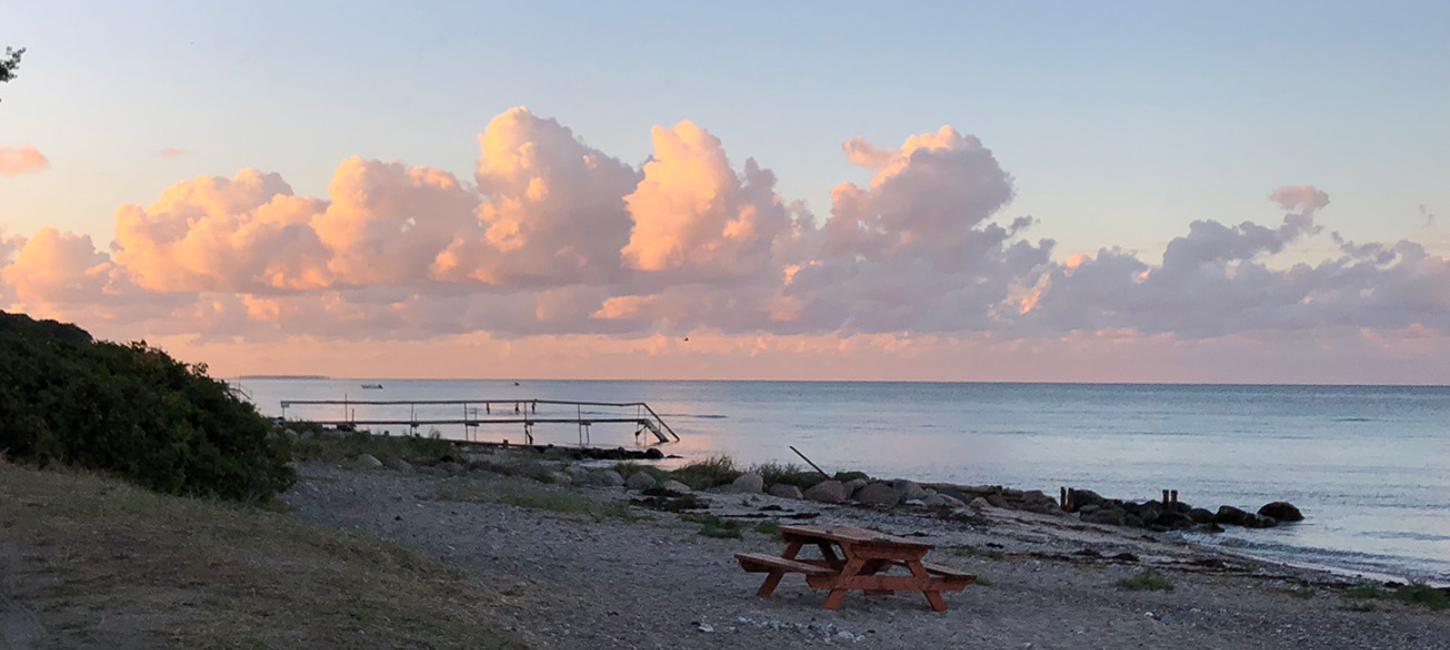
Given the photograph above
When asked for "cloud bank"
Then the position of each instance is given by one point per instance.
(553, 237)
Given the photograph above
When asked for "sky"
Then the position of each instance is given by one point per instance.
(1236, 192)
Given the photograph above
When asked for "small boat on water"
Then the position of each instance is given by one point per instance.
(372, 386)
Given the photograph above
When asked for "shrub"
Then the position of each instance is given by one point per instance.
(789, 474)
(713, 526)
(707, 473)
(133, 411)
(1415, 593)
(1146, 580)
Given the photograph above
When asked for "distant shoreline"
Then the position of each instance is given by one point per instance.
(283, 377)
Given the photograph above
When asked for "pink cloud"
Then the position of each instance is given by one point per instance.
(15, 161)
(554, 242)
(173, 152)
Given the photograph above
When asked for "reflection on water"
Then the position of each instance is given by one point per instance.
(1369, 465)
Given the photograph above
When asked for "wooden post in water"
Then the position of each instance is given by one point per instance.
(1174, 495)
(1165, 497)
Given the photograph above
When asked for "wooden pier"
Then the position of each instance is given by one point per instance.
(498, 412)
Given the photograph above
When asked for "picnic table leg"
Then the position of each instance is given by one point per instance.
(829, 553)
(933, 596)
(838, 594)
(773, 579)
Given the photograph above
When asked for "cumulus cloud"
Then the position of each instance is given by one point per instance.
(694, 215)
(15, 161)
(554, 237)
(246, 233)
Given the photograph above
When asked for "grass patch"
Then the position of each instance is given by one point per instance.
(788, 474)
(710, 472)
(974, 551)
(542, 499)
(771, 528)
(1415, 593)
(327, 448)
(1146, 580)
(713, 526)
(982, 581)
(116, 565)
(629, 467)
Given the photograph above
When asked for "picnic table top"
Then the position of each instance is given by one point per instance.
(850, 535)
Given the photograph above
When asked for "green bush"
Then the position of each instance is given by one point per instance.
(710, 472)
(788, 474)
(133, 411)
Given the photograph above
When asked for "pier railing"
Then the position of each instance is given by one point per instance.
(496, 411)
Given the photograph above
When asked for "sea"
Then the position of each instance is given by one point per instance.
(1368, 465)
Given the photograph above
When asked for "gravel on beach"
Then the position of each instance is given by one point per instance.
(596, 582)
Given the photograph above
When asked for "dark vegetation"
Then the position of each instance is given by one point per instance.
(1415, 593)
(10, 63)
(132, 411)
(1146, 580)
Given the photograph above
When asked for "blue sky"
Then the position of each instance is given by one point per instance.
(1119, 122)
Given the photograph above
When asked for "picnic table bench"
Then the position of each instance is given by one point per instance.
(865, 557)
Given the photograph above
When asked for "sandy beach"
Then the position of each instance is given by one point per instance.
(648, 579)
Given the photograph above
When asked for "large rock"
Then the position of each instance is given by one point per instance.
(367, 461)
(1230, 516)
(979, 504)
(940, 500)
(998, 501)
(1200, 516)
(750, 483)
(908, 490)
(1149, 512)
(579, 473)
(1281, 511)
(878, 494)
(1105, 516)
(1260, 521)
(1082, 498)
(827, 492)
(855, 484)
(640, 481)
(1174, 520)
(605, 478)
(784, 491)
(397, 464)
(675, 486)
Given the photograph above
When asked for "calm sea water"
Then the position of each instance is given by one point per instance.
(1369, 465)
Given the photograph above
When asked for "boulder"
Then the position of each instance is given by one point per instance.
(940, 500)
(559, 478)
(998, 501)
(654, 453)
(979, 504)
(855, 484)
(1105, 516)
(750, 483)
(1230, 516)
(605, 478)
(640, 481)
(878, 494)
(580, 473)
(909, 490)
(1174, 520)
(1089, 508)
(1281, 511)
(1260, 521)
(397, 464)
(367, 461)
(827, 492)
(675, 486)
(784, 491)
(1149, 512)
(1082, 498)
(1200, 516)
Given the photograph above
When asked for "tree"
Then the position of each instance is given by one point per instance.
(10, 63)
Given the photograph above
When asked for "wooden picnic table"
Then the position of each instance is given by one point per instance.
(864, 559)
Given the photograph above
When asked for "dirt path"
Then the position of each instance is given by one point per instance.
(658, 584)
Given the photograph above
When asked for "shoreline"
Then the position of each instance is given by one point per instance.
(607, 573)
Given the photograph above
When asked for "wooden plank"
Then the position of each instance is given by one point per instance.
(764, 563)
(849, 535)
